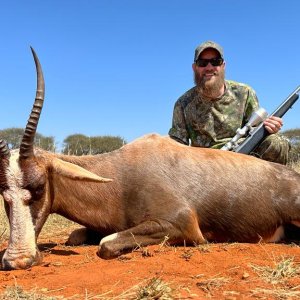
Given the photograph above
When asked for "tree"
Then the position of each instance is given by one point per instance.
(76, 144)
(294, 136)
(79, 144)
(106, 143)
(13, 137)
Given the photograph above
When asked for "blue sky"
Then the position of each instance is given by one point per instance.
(116, 67)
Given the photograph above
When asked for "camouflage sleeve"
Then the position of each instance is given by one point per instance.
(178, 131)
(252, 104)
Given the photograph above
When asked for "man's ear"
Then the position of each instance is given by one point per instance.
(194, 66)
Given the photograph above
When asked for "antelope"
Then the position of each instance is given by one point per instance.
(150, 189)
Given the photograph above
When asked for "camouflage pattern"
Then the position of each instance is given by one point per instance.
(274, 147)
(212, 123)
(206, 45)
(208, 123)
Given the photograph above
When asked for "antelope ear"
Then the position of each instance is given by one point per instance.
(73, 171)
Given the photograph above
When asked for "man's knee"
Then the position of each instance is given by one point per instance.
(275, 148)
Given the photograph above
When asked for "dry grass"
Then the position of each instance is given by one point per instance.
(4, 228)
(153, 289)
(54, 227)
(295, 166)
(57, 226)
(287, 293)
(211, 284)
(17, 293)
(2, 235)
(282, 270)
(204, 248)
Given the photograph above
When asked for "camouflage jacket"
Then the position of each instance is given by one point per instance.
(207, 123)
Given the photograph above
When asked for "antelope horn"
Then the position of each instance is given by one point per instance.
(4, 151)
(26, 147)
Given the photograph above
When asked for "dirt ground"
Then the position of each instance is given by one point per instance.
(211, 271)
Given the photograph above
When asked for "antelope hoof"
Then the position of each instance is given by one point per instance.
(77, 237)
(108, 251)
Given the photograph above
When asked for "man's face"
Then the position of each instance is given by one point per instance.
(209, 78)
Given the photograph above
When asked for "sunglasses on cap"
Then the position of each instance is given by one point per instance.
(216, 62)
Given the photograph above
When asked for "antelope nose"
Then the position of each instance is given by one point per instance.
(21, 263)
(17, 264)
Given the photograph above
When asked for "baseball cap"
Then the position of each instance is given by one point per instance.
(206, 45)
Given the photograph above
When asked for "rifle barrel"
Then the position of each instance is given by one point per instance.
(259, 133)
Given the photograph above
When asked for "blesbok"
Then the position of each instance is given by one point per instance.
(151, 188)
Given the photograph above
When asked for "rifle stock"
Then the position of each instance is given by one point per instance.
(259, 133)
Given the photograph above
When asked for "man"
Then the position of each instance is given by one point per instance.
(209, 114)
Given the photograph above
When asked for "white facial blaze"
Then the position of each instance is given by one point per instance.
(22, 233)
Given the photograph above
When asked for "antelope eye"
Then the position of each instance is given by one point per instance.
(39, 191)
(36, 192)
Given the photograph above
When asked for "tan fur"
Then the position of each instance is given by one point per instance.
(162, 189)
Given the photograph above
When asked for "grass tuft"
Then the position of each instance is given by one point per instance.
(278, 293)
(281, 271)
(203, 248)
(154, 289)
(17, 293)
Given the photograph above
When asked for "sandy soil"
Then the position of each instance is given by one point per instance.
(214, 271)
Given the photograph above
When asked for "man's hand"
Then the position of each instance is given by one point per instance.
(273, 124)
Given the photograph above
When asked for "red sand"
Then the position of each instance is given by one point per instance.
(215, 271)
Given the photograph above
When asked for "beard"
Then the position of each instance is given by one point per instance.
(210, 88)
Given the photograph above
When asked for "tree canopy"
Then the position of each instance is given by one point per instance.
(13, 137)
(294, 136)
(79, 144)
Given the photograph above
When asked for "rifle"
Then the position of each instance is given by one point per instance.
(254, 135)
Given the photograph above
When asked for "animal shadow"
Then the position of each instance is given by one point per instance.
(292, 234)
(49, 248)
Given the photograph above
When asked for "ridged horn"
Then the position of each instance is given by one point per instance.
(4, 151)
(26, 147)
